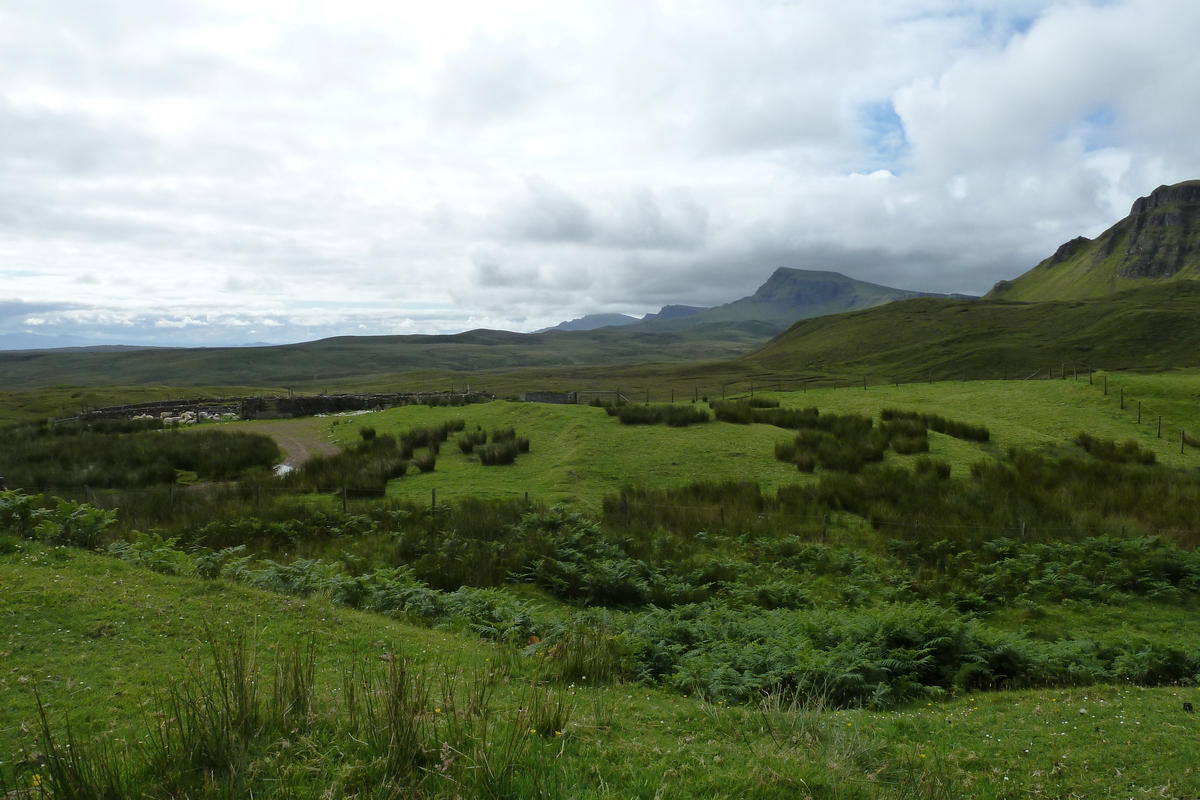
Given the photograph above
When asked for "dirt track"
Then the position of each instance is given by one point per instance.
(299, 439)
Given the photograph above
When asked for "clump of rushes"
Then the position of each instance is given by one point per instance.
(655, 414)
(940, 424)
(763, 411)
(426, 436)
(426, 461)
(1127, 452)
(470, 440)
(497, 453)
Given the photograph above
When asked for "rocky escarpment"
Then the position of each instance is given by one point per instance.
(1159, 240)
(1162, 230)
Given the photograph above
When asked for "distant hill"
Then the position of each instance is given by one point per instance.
(1151, 327)
(590, 322)
(787, 296)
(334, 361)
(1158, 242)
(33, 341)
(790, 295)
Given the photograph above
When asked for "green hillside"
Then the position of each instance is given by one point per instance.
(1156, 327)
(1158, 242)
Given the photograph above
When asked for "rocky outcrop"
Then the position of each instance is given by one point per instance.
(1158, 241)
(1162, 230)
(1067, 251)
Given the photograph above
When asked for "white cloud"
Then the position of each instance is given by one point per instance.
(513, 165)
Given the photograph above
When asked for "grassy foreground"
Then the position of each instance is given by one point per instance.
(100, 642)
(343, 703)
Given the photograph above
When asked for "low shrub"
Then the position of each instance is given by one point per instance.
(675, 416)
(1128, 452)
(497, 453)
(939, 424)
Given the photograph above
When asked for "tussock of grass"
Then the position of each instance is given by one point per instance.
(1107, 450)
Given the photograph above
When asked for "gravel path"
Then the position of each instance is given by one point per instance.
(299, 439)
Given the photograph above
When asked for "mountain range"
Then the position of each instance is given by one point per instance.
(788, 296)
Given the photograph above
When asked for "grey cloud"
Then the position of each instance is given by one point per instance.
(543, 212)
(643, 219)
(14, 312)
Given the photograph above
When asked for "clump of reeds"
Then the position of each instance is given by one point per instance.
(1127, 452)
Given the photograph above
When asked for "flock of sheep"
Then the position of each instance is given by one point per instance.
(187, 417)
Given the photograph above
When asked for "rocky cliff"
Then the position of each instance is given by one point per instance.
(1158, 241)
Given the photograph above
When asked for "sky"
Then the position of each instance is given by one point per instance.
(211, 172)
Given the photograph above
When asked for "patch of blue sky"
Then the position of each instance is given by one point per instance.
(883, 133)
(986, 21)
(1094, 131)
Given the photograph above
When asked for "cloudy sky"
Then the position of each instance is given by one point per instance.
(217, 171)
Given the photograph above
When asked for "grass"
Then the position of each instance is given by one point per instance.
(578, 454)
(98, 637)
(98, 640)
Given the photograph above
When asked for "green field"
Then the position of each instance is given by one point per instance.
(579, 455)
(765, 655)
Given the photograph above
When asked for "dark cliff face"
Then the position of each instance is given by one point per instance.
(1162, 230)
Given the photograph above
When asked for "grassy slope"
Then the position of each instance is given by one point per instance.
(96, 637)
(1153, 328)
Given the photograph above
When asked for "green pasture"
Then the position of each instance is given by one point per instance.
(578, 454)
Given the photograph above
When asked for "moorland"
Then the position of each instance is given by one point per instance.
(935, 548)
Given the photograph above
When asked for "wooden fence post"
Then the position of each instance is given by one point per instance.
(1139, 412)
(625, 510)
(1182, 439)
(722, 516)
(1106, 386)
(824, 527)
(1160, 426)
(864, 383)
(433, 501)
(343, 499)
